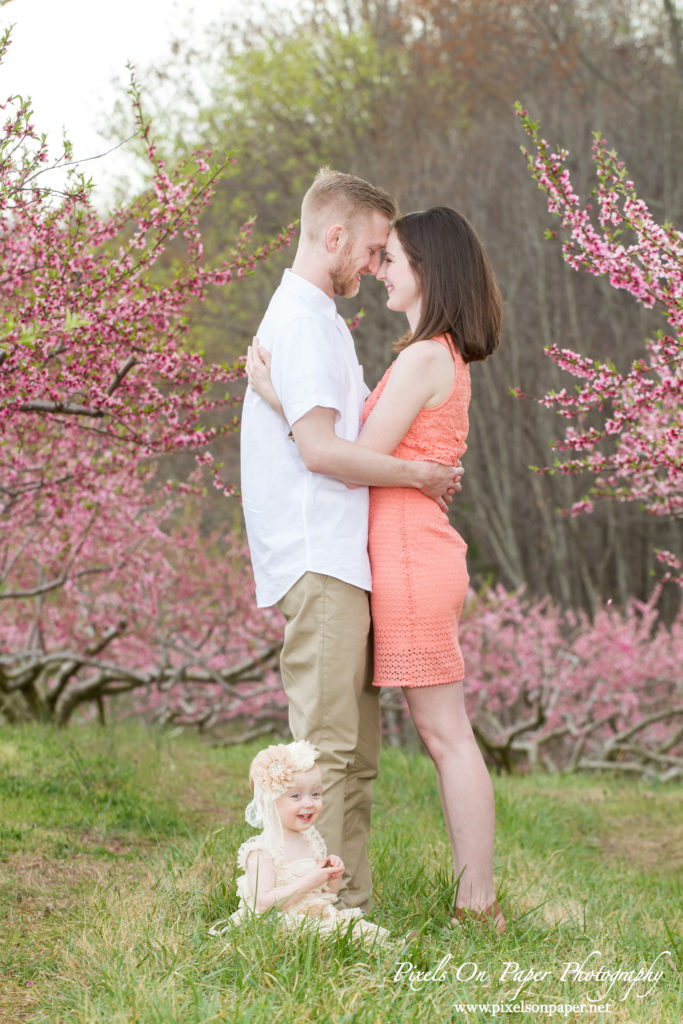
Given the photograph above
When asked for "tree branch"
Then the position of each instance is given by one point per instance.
(45, 588)
(42, 405)
(121, 373)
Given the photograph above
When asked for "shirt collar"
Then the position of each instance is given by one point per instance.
(313, 295)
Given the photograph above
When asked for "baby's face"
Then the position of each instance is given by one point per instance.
(300, 806)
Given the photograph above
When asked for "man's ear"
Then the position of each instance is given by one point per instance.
(333, 237)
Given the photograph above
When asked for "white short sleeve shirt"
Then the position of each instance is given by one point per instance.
(298, 521)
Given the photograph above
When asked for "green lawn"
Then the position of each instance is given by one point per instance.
(117, 852)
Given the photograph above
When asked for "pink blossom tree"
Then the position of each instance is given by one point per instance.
(561, 692)
(100, 588)
(627, 424)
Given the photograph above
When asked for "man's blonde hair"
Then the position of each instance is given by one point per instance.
(345, 198)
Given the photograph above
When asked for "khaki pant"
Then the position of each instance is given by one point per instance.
(326, 672)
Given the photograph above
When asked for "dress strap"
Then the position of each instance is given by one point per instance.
(257, 844)
(445, 339)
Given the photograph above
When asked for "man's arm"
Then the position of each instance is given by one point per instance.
(347, 461)
(421, 376)
(324, 452)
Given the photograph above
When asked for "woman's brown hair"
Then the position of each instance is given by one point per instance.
(460, 295)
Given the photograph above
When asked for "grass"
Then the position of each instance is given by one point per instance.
(117, 853)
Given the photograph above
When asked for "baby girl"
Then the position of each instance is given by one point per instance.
(287, 866)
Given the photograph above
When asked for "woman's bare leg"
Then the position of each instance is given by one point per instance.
(464, 784)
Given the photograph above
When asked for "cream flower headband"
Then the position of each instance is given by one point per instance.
(272, 772)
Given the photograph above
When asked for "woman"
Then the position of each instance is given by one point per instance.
(437, 273)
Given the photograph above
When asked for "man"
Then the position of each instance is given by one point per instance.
(307, 530)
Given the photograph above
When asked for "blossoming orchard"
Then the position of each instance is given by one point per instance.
(107, 584)
(635, 451)
(99, 594)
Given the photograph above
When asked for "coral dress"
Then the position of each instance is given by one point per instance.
(418, 561)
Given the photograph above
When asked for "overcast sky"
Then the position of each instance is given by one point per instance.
(70, 57)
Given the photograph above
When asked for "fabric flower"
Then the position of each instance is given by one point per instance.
(274, 768)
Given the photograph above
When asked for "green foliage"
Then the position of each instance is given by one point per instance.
(118, 932)
(319, 82)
